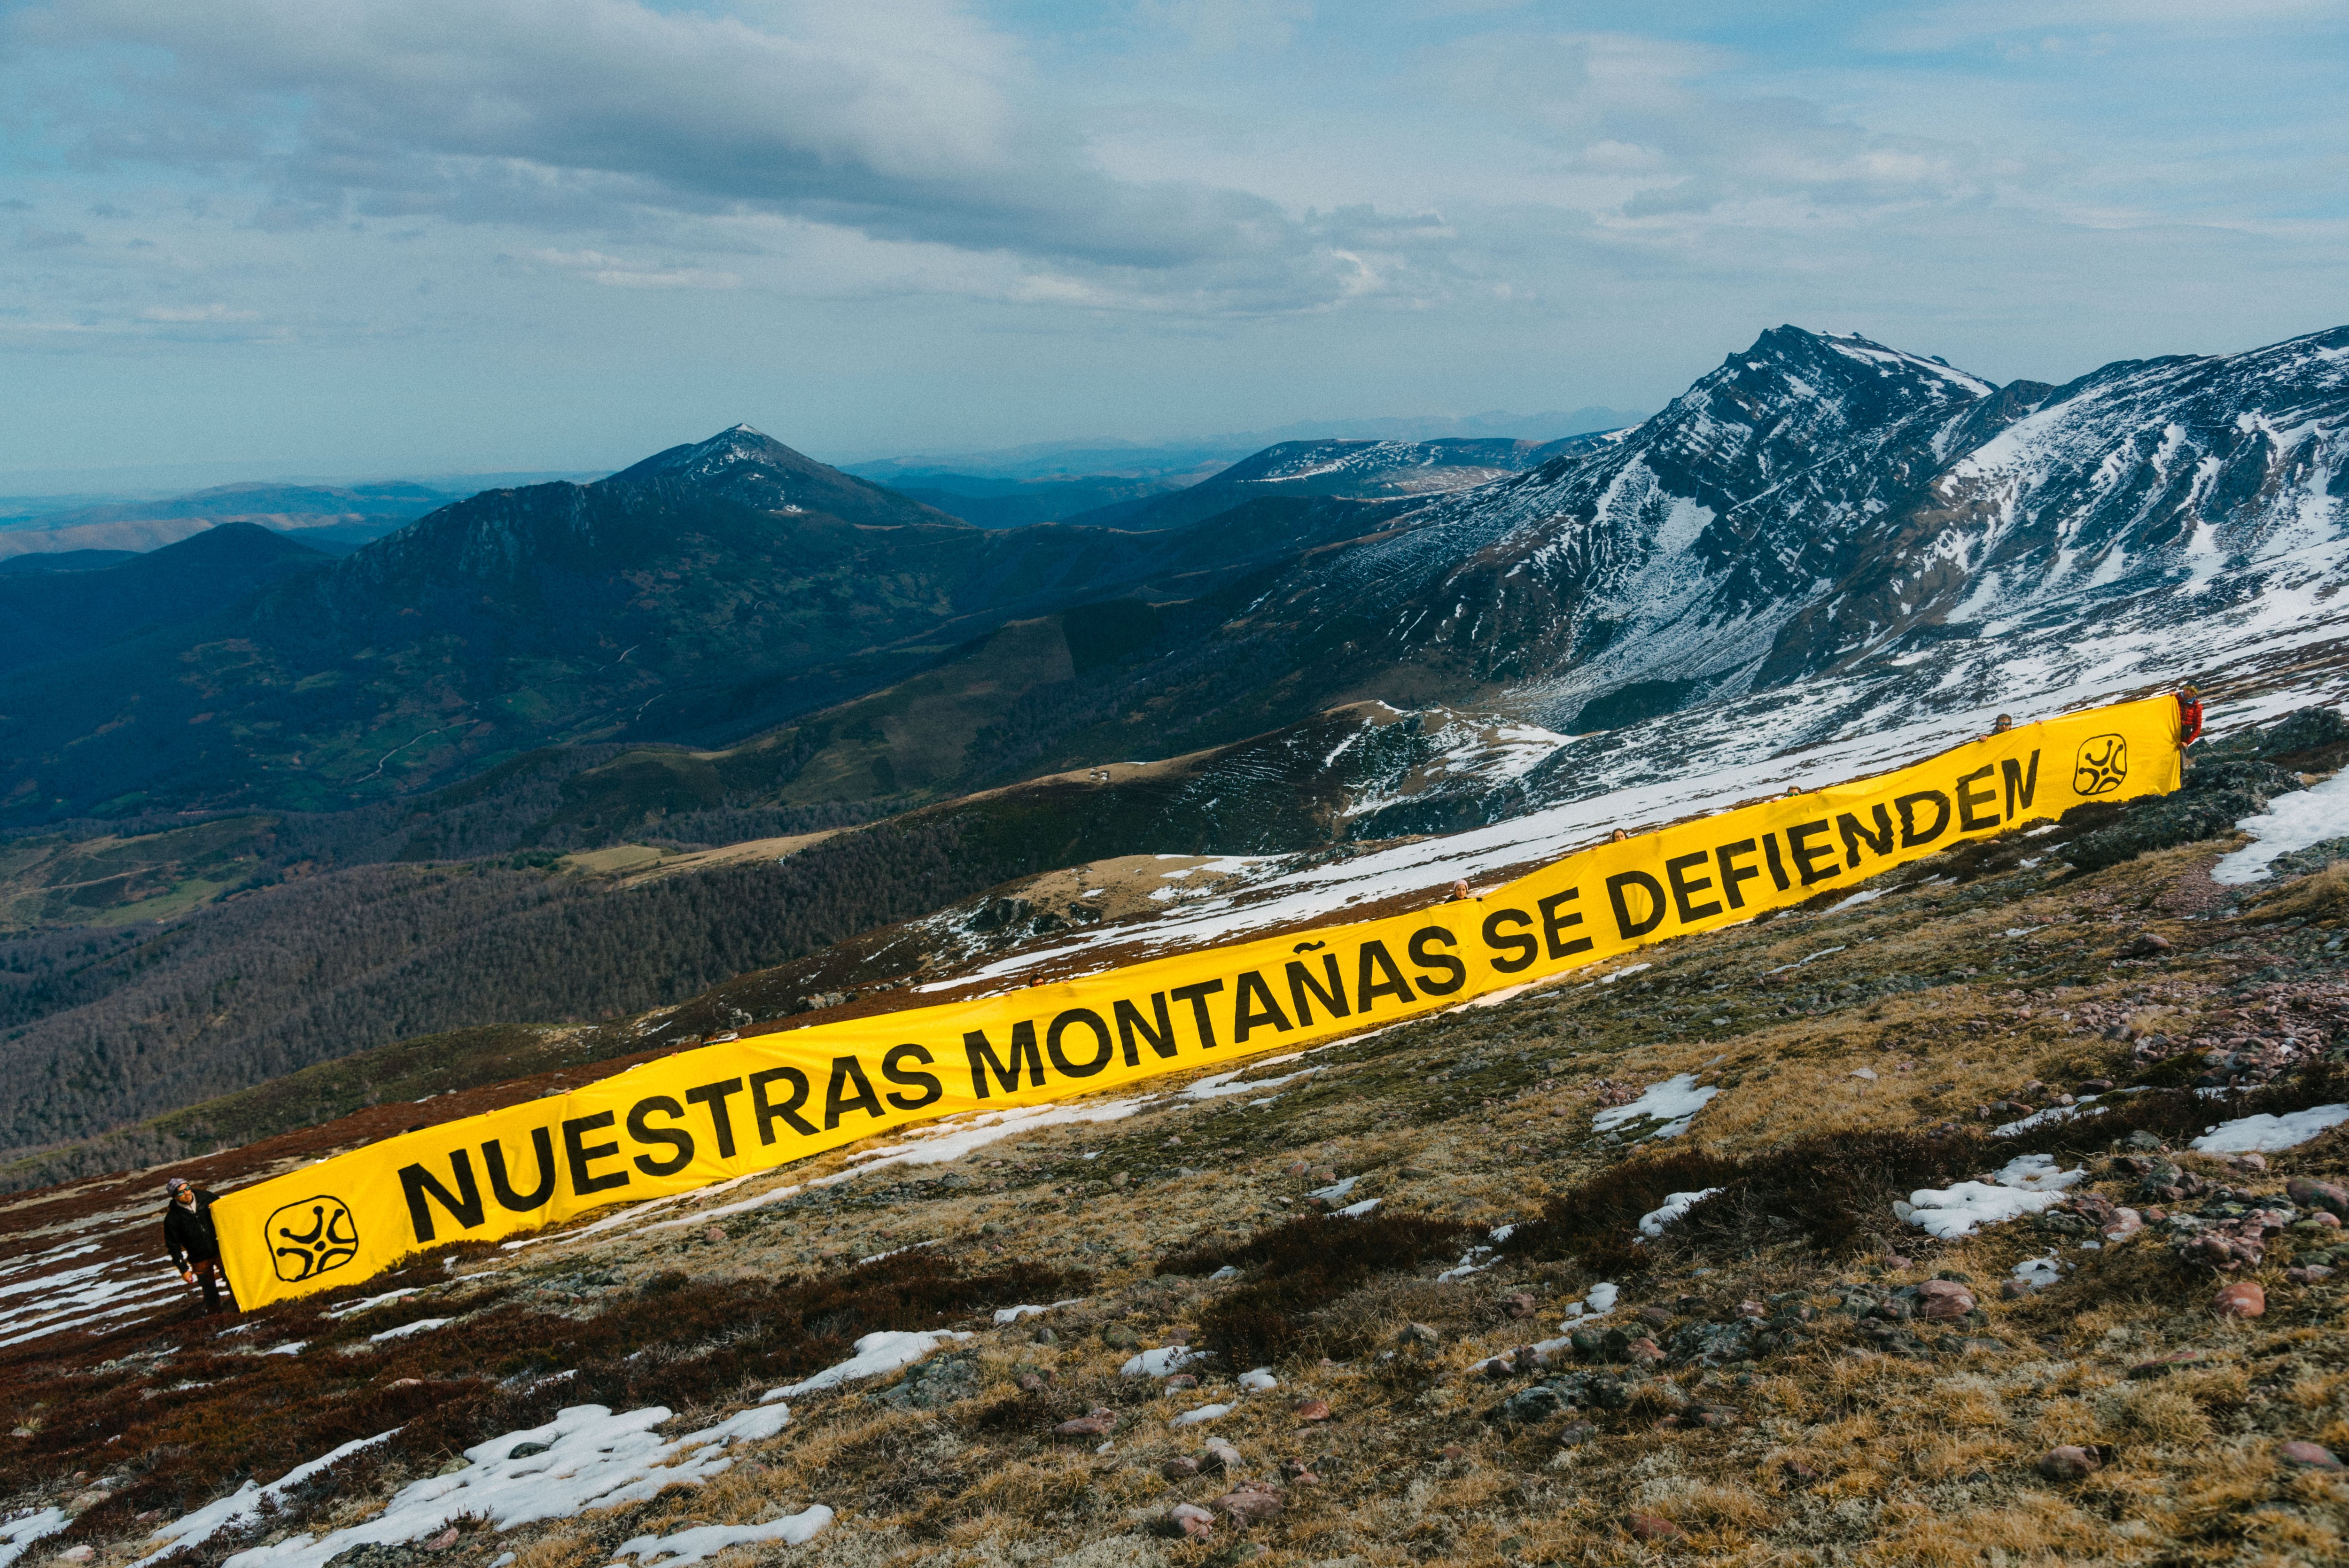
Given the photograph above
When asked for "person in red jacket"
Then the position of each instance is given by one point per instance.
(2190, 716)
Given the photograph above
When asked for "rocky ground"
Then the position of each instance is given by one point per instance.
(2151, 1368)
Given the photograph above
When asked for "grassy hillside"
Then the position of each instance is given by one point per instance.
(1765, 1391)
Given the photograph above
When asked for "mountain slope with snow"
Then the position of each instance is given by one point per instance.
(1827, 506)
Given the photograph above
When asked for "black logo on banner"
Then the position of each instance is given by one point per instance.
(2103, 764)
(308, 1238)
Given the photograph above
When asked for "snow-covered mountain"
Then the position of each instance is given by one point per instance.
(1357, 469)
(1821, 505)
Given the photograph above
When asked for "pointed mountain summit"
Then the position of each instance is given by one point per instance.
(756, 470)
(1817, 501)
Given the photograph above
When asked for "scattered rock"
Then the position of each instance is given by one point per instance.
(1518, 1304)
(1528, 1407)
(2306, 1455)
(1797, 1473)
(2244, 1298)
(1118, 1336)
(77, 1554)
(2309, 1274)
(1576, 1434)
(1100, 1424)
(1180, 1380)
(1643, 1351)
(928, 1385)
(1252, 1502)
(1419, 1334)
(1311, 1409)
(1219, 1458)
(1033, 1382)
(2145, 946)
(524, 1450)
(407, 1382)
(1193, 1521)
(1299, 1473)
(1650, 1527)
(2069, 1463)
(2325, 1196)
(1941, 1300)
(1179, 1469)
(442, 1541)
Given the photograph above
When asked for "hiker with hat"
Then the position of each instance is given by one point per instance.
(2189, 715)
(189, 1237)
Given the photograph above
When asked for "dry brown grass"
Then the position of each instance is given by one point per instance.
(1910, 1461)
(2323, 896)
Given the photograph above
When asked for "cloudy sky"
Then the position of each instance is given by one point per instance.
(352, 236)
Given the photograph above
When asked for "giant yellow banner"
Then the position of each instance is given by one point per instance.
(723, 1110)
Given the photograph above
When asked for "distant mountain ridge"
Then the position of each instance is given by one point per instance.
(1205, 454)
(1357, 469)
(709, 591)
(334, 518)
(46, 616)
(1817, 509)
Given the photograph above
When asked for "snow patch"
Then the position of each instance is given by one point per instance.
(2290, 822)
(17, 1535)
(405, 1329)
(1010, 1314)
(1674, 1102)
(688, 1546)
(1676, 1204)
(589, 1458)
(1164, 1362)
(876, 1353)
(2024, 1186)
(245, 1502)
(2259, 1134)
(1204, 1413)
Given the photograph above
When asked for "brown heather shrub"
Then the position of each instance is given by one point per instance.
(2323, 896)
(1301, 1266)
(2172, 1115)
(2316, 1083)
(479, 1376)
(1833, 1190)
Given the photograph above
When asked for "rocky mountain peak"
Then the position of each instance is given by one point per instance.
(746, 465)
(721, 457)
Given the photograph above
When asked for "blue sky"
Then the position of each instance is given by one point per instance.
(349, 236)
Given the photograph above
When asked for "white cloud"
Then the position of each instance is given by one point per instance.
(903, 120)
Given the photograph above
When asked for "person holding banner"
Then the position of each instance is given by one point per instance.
(189, 1238)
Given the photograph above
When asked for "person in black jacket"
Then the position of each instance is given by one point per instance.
(189, 1237)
